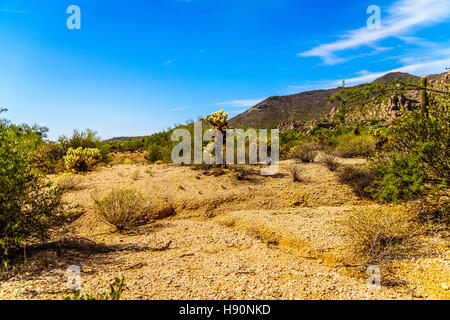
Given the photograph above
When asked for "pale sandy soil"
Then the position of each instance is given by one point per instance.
(262, 238)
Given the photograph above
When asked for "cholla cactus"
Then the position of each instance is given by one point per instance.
(80, 160)
(218, 120)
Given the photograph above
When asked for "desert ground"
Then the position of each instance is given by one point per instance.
(224, 235)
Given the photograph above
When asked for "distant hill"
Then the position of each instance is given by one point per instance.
(116, 139)
(298, 107)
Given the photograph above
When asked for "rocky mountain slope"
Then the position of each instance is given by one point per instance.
(301, 107)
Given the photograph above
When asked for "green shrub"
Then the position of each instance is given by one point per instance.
(415, 163)
(418, 164)
(401, 179)
(87, 139)
(154, 152)
(129, 145)
(81, 160)
(29, 206)
(116, 289)
(355, 146)
(48, 158)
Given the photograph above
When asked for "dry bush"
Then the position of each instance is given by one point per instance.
(71, 182)
(122, 208)
(304, 152)
(296, 173)
(377, 235)
(361, 180)
(149, 172)
(136, 174)
(241, 172)
(329, 161)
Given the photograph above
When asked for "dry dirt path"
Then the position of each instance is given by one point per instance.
(205, 261)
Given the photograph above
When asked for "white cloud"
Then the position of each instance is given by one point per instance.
(180, 108)
(240, 103)
(418, 69)
(12, 11)
(364, 76)
(402, 17)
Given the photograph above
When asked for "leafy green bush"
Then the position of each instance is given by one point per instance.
(414, 154)
(351, 146)
(87, 139)
(81, 160)
(419, 162)
(29, 206)
(154, 152)
(48, 158)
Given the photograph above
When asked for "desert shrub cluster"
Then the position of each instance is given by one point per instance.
(419, 163)
(361, 179)
(329, 161)
(30, 207)
(78, 153)
(81, 159)
(355, 146)
(412, 155)
(125, 209)
(122, 208)
(296, 173)
(305, 152)
(379, 235)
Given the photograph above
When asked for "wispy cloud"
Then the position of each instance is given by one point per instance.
(12, 11)
(364, 76)
(402, 17)
(180, 108)
(240, 103)
(168, 63)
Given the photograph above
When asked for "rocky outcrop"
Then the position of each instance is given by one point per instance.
(289, 125)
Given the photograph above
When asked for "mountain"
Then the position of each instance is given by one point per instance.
(298, 107)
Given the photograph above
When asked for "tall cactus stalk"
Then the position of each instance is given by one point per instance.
(424, 97)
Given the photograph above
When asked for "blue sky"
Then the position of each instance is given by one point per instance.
(137, 67)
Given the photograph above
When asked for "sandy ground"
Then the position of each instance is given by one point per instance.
(259, 238)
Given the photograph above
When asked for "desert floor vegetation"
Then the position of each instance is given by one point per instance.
(312, 240)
